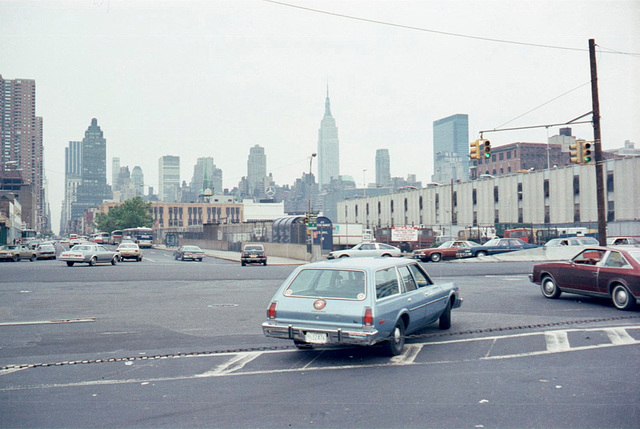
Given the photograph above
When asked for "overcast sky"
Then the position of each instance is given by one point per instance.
(213, 78)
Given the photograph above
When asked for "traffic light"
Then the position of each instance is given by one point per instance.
(575, 153)
(587, 152)
(474, 152)
(486, 149)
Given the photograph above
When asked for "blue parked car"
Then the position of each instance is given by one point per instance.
(361, 301)
(495, 246)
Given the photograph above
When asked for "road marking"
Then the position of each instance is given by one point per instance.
(234, 364)
(557, 342)
(619, 336)
(46, 322)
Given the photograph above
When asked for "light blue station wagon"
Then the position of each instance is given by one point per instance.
(361, 301)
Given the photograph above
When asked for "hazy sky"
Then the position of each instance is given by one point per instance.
(213, 78)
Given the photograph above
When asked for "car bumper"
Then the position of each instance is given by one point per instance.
(129, 255)
(332, 336)
(253, 260)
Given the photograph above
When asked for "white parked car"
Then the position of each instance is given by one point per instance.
(367, 249)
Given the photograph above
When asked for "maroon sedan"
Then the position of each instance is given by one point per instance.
(596, 271)
(446, 250)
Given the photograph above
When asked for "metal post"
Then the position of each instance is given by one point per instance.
(600, 194)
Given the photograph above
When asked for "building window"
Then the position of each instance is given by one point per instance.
(509, 155)
(576, 185)
(420, 202)
(455, 199)
(546, 188)
(406, 205)
(576, 212)
(496, 194)
(501, 156)
(474, 197)
(391, 206)
(610, 182)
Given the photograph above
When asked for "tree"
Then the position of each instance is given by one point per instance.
(130, 214)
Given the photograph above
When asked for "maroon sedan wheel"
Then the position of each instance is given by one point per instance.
(622, 298)
(549, 288)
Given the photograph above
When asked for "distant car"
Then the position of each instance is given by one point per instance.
(17, 252)
(188, 252)
(369, 248)
(572, 241)
(363, 301)
(89, 254)
(623, 241)
(130, 251)
(253, 254)
(495, 246)
(446, 250)
(46, 251)
(597, 271)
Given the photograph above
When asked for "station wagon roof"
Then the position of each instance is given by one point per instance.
(360, 263)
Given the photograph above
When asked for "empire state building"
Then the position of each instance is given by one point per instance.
(328, 147)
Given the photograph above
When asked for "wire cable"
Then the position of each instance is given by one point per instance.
(542, 105)
(427, 30)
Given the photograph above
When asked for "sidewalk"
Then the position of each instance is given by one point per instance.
(539, 254)
(235, 256)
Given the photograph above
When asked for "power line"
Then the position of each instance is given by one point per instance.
(427, 30)
(543, 104)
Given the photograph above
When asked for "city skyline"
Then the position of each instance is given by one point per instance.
(198, 79)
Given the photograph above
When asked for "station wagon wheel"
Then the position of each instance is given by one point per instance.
(344, 256)
(436, 257)
(481, 253)
(549, 288)
(114, 260)
(622, 298)
(395, 343)
(92, 261)
(69, 264)
(16, 258)
(302, 345)
(445, 317)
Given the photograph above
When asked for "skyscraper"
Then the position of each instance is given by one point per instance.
(168, 178)
(328, 147)
(115, 172)
(21, 145)
(383, 168)
(256, 170)
(137, 179)
(72, 179)
(93, 188)
(451, 148)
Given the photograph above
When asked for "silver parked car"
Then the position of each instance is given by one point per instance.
(89, 254)
(571, 241)
(367, 248)
(361, 301)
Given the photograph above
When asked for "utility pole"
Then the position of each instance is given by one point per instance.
(600, 194)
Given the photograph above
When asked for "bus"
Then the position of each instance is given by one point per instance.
(26, 235)
(116, 237)
(142, 236)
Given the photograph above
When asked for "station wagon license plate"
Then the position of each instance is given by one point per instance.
(316, 337)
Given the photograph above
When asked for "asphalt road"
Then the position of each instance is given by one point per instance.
(164, 343)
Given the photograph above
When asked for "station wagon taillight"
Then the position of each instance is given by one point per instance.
(271, 311)
(367, 319)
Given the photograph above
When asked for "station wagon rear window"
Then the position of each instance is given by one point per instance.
(319, 283)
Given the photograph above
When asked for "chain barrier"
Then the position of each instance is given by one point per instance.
(286, 347)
